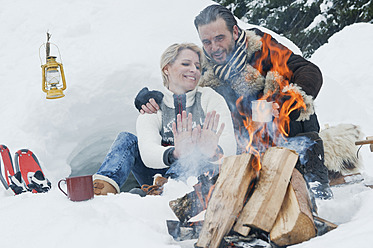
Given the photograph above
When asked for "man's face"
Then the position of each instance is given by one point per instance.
(217, 40)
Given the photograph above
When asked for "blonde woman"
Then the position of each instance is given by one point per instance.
(186, 126)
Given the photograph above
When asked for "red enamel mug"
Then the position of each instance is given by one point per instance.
(79, 188)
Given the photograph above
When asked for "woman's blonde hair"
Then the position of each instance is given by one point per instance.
(170, 54)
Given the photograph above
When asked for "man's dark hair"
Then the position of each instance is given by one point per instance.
(212, 13)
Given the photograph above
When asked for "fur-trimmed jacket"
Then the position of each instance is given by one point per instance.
(306, 78)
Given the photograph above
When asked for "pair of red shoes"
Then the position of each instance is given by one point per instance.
(27, 176)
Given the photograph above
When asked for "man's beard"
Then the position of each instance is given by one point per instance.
(229, 52)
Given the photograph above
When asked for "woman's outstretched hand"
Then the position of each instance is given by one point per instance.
(209, 135)
(185, 137)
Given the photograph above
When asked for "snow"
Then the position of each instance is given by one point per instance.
(309, 3)
(110, 50)
(326, 6)
(316, 21)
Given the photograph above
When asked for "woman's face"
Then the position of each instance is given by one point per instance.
(184, 73)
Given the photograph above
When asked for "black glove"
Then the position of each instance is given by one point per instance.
(144, 96)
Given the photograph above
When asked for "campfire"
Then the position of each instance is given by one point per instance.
(262, 135)
(258, 193)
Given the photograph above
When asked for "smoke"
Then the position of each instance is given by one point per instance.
(193, 165)
(266, 135)
(300, 144)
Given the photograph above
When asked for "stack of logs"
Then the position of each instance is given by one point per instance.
(279, 204)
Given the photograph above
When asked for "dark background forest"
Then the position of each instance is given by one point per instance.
(308, 23)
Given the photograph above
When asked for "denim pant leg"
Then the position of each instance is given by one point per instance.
(124, 157)
(120, 159)
(143, 174)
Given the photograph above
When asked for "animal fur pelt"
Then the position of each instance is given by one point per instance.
(340, 149)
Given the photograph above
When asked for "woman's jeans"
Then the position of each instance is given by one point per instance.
(124, 157)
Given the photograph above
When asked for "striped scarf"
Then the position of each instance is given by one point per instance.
(236, 63)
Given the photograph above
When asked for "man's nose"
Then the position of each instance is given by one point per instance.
(214, 46)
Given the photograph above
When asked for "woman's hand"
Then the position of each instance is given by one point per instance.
(209, 137)
(184, 137)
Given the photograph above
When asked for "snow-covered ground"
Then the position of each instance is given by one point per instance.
(110, 50)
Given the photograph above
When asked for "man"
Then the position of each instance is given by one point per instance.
(234, 69)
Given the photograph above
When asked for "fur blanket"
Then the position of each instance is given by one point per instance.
(340, 149)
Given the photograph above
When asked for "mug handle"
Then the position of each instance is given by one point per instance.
(59, 185)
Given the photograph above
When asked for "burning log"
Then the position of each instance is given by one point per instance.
(186, 207)
(294, 223)
(265, 203)
(227, 199)
(275, 206)
(194, 202)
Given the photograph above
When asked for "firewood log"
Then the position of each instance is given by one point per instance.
(294, 223)
(227, 199)
(263, 206)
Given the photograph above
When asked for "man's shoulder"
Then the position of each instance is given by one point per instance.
(208, 78)
(255, 30)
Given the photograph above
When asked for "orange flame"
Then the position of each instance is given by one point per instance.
(263, 135)
(209, 194)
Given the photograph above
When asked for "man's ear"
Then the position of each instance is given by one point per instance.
(235, 32)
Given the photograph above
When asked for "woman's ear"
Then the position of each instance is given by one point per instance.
(165, 70)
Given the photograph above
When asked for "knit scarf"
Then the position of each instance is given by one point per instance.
(236, 63)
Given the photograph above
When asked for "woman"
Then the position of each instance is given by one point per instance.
(174, 134)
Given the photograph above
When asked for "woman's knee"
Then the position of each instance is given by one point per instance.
(126, 136)
(123, 142)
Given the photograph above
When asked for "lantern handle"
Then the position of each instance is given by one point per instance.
(44, 44)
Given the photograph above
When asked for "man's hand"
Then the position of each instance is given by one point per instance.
(148, 101)
(150, 108)
(275, 111)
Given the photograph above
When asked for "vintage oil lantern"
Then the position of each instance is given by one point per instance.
(53, 80)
